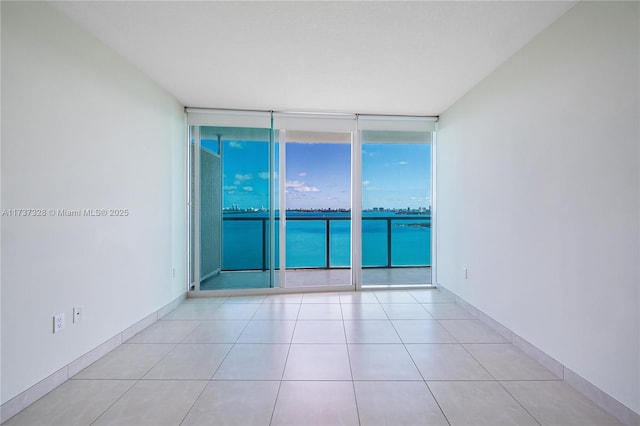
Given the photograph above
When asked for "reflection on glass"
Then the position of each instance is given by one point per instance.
(192, 210)
(318, 216)
(374, 241)
(340, 243)
(237, 228)
(396, 208)
(306, 240)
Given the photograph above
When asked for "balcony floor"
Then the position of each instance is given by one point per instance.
(318, 277)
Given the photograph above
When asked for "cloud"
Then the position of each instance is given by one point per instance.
(248, 188)
(293, 183)
(240, 179)
(230, 187)
(402, 163)
(300, 186)
(307, 189)
(366, 182)
(236, 145)
(302, 174)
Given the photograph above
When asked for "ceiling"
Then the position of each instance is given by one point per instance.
(375, 57)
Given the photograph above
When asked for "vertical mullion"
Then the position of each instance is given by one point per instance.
(388, 242)
(272, 205)
(327, 237)
(264, 244)
(196, 207)
(283, 208)
(190, 212)
(356, 208)
(221, 183)
(434, 234)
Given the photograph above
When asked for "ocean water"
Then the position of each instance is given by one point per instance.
(243, 246)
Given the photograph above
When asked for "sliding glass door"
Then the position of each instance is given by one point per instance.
(232, 208)
(309, 201)
(396, 205)
(317, 196)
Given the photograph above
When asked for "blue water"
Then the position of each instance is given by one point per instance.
(243, 246)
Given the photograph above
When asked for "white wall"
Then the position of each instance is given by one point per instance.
(81, 128)
(538, 193)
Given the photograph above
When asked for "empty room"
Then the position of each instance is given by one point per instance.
(320, 213)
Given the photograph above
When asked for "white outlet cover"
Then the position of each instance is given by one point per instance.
(58, 322)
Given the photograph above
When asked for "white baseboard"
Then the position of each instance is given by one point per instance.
(46, 385)
(599, 397)
(595, 394)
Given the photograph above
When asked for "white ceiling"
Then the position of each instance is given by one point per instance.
(387, 57)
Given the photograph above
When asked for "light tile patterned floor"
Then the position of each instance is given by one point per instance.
(369, 358)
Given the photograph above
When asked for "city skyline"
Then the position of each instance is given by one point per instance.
(318, 176)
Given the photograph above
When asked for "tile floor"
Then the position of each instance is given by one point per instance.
(368, 358)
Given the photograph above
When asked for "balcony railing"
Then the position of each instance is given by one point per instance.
(385, 224)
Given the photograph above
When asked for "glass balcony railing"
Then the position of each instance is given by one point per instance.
(323, 242)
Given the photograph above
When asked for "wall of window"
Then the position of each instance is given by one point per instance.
(309, 200)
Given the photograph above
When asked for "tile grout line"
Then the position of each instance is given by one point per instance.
(500, 384)
(610, 404)
(211, 379)
(233, 345)
(420, 372)
(519, 403)
(353, 383)
(284, 368)
(465, 346)
(120, 337)
(194, 403)
(114, 402)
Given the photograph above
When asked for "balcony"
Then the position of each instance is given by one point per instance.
(396, 250)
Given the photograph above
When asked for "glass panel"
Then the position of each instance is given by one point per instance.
(210, 213)
(318, 215)
(244, 243)
(396, 208)
(275, 202)
(340, 243)
(411, 242)
(235, 169)
(306, 241)
(236, 183)
(374, 239)
(192, 208)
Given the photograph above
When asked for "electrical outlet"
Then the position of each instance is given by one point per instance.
(77, 314)
(58, 322)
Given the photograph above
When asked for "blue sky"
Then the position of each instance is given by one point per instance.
(396, 175)
(319, 175)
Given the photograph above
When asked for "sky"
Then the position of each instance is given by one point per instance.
(318, 175)
(396, 176)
